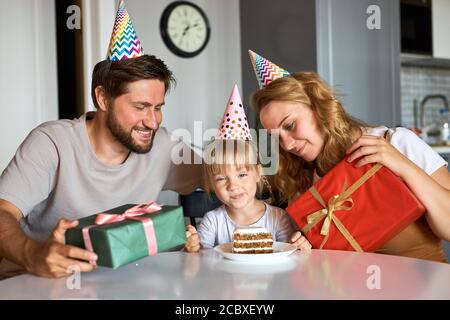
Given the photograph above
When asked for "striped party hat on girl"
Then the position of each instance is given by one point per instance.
(124, 43)
(265, 70)
(234, 124)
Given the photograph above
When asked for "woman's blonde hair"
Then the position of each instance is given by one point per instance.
(295, 175)
(221, 153)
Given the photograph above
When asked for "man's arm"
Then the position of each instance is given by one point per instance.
(50, 259)
(12, 239)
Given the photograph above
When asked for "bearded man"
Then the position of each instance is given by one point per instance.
(69, 169)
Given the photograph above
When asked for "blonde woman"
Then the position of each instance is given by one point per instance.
(316, 133)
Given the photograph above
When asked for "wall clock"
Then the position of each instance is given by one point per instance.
(185, 28)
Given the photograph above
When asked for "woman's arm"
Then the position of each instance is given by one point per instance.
(433, 191)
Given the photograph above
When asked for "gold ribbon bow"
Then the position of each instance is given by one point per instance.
(337, 203)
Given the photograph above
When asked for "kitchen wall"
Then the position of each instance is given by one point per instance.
(204, 82)
(416, 83)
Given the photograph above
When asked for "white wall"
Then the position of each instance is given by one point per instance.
(204, 82)
(28, 76)
(97, 23)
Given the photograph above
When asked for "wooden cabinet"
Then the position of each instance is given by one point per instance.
(441, 28)
(283, 31)
(360, 61)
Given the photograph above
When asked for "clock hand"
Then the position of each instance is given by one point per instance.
(186, 30)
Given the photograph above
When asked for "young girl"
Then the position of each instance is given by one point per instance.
(233, 172)
(235, 177)
(316, 133)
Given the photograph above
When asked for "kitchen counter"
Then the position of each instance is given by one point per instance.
(441, 149)
(444, 152)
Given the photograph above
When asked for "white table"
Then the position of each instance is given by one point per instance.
(321, 274)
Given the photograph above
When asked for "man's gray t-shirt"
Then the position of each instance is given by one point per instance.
(217, 227)
(55, 174)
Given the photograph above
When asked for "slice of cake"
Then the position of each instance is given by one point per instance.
(252, 240)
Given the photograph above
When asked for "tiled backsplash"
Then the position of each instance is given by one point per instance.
(416, 83)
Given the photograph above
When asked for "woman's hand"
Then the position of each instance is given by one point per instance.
(300, 241)
(193, 240)
(372, 149)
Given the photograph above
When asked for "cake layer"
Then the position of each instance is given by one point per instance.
(255, 241)
(266, 244)
(252, 250)
(252, 240)
(249, 236)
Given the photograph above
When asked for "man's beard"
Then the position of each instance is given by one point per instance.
(125, 137)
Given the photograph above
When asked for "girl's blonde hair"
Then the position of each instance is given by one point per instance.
(295, 175)
(221, 153)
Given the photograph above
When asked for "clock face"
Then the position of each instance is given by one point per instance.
(185, 28)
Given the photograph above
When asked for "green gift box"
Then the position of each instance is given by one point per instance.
(120, 243)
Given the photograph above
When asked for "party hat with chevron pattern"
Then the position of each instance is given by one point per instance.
(265, 70)
(234, 123)
(124, 43)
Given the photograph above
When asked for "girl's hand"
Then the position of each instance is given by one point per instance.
(372, 149)
(300, 241)
(193, 240)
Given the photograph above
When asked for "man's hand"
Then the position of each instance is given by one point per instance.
(300, 241)
(193, 240)
(53, 258)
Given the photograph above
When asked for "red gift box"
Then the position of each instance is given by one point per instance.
(355, 208)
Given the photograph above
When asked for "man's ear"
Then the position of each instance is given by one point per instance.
(102, 99)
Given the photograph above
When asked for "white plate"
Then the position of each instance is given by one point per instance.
(280, 251)
(284, 264)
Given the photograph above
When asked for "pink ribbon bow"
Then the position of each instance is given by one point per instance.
(137, 210)
(132, 213)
